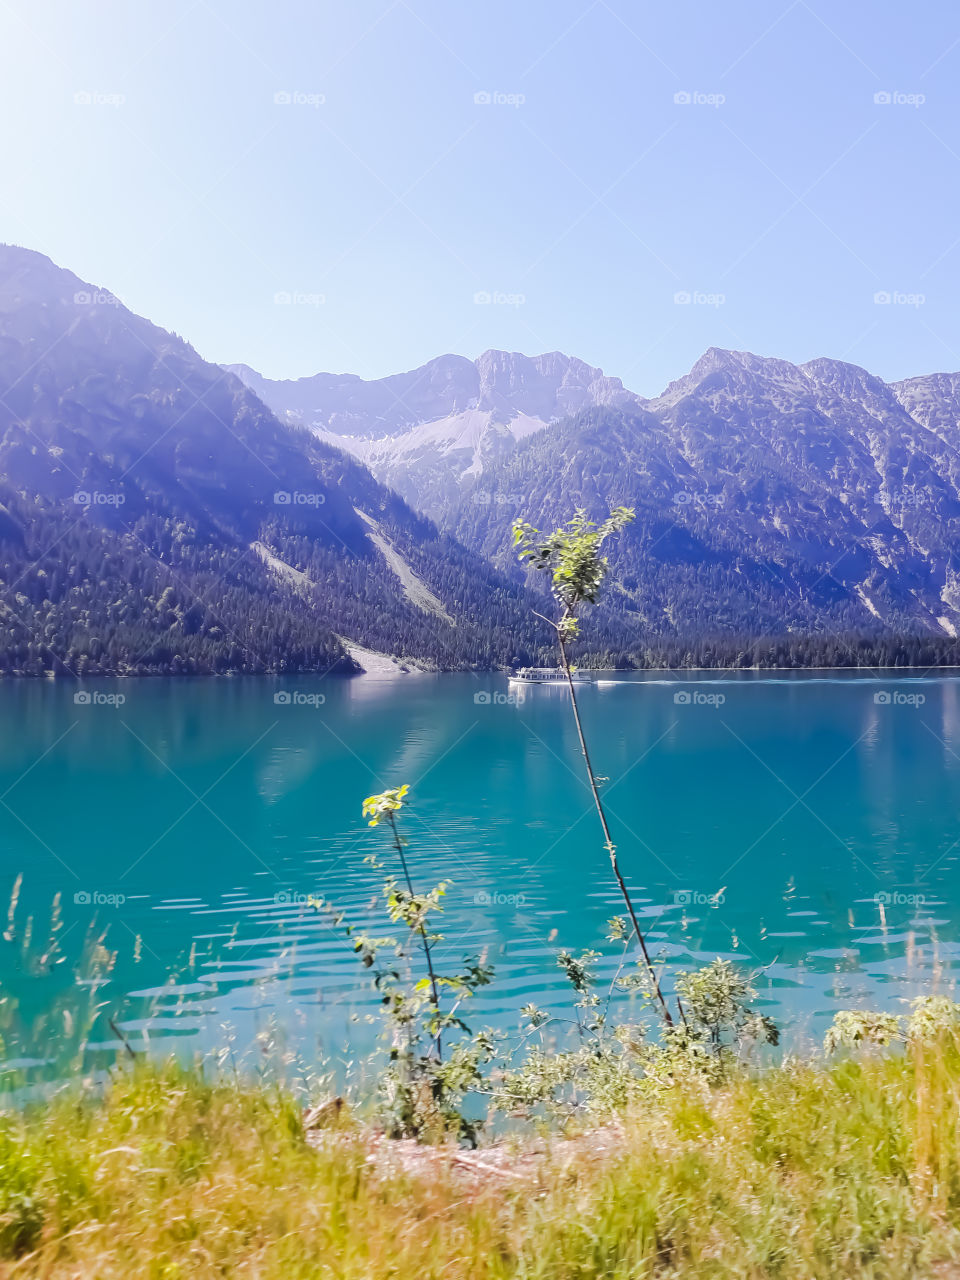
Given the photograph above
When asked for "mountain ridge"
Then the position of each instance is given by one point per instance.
(137, 482)
(157, 515)
(842, 488)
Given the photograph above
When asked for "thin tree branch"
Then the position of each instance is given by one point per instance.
(423, 932)
(608, 839)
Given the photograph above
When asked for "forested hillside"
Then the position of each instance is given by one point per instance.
(155, 516)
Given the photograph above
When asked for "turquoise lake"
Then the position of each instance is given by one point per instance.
(806, 823)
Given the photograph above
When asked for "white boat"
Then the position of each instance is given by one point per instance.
(547, 675)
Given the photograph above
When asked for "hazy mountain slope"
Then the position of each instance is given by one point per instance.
(422, 432)
(826, 466)
(155, 515)
(135, 479)
(769, 497)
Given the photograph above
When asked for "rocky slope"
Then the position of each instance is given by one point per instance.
(149, 503)
(807, 497)
(425, 431)
(770, 495)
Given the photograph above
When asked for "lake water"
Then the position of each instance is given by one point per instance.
(805, 823)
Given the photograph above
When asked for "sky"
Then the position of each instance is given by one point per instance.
(360, 186)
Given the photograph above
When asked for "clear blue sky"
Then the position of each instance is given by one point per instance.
(583, 188)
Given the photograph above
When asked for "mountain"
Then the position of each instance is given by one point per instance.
(771, 497)
(156, 516)
(425, 431)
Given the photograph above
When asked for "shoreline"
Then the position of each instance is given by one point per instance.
(382, 665)
(385, 665)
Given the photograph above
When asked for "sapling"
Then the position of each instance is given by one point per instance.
(572, 556)
(423, 1087)
(385, 805)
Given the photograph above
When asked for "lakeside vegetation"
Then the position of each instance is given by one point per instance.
(843, 1170)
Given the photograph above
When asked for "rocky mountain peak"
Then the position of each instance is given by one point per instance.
(719, 370)
(547, 386)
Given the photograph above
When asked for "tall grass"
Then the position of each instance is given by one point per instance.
(847, 1169)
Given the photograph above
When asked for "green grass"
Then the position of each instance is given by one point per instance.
(850, 1169)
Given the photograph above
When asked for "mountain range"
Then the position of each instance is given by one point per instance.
(159, 513)
(155, 516)
(426, 431)
(770, 497)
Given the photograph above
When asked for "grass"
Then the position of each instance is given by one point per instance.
(847, 1169)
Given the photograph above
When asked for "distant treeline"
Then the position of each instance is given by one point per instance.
(158, 598)
(852, 650)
